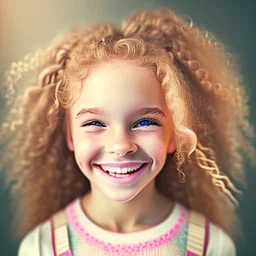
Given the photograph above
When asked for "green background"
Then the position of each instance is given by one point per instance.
(26, 25)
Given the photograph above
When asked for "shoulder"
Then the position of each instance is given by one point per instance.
(220, 243)
(37, 242)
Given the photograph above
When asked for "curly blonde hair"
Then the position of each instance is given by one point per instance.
(208, 105)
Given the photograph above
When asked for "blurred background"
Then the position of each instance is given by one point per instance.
(26, 25)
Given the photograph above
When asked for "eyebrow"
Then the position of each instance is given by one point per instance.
(141, 111)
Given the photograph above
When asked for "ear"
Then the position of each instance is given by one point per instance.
(68, 133)
(171, 146)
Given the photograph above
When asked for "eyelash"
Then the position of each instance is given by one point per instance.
(151, 120)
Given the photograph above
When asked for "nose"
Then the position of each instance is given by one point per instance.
(120, 143)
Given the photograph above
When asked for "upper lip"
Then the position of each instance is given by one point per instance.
(121, 165)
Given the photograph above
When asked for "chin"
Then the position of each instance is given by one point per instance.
(123, 198)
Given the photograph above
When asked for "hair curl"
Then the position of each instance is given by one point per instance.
(208, 105)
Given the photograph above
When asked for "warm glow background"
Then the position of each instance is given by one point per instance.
(26, 25)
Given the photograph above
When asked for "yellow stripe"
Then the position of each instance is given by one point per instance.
(196, 233)
(61, 232)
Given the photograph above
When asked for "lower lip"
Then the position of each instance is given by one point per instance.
(124, 180)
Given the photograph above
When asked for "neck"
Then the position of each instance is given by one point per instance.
(147, 209)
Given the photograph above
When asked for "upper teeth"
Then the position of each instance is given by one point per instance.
(120, 170)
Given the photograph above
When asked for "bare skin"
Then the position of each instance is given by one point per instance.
(116, 133)
(131, 216)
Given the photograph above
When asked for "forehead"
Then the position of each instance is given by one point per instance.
(120, 71)
(120, 83)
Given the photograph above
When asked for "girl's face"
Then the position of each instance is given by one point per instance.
(120, 123)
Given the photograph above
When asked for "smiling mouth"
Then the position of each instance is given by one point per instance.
(121, 175)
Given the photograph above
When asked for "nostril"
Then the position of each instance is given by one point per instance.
(122, 150)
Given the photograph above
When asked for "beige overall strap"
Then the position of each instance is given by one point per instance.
(196, 234)
(60, 238)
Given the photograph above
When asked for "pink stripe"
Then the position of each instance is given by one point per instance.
(67, 253)
(191, 254)
(53, 238)
(206, 241)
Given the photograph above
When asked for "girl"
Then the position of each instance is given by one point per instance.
(127, 141)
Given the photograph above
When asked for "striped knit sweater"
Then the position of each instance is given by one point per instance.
(81, 237)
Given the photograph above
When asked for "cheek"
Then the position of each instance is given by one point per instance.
(160, 153)
(156, 148)
(158, 141)
(84, 150)
(79, 163)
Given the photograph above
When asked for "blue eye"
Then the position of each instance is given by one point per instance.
(141, 123)
(147, 122)
(96, 123)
